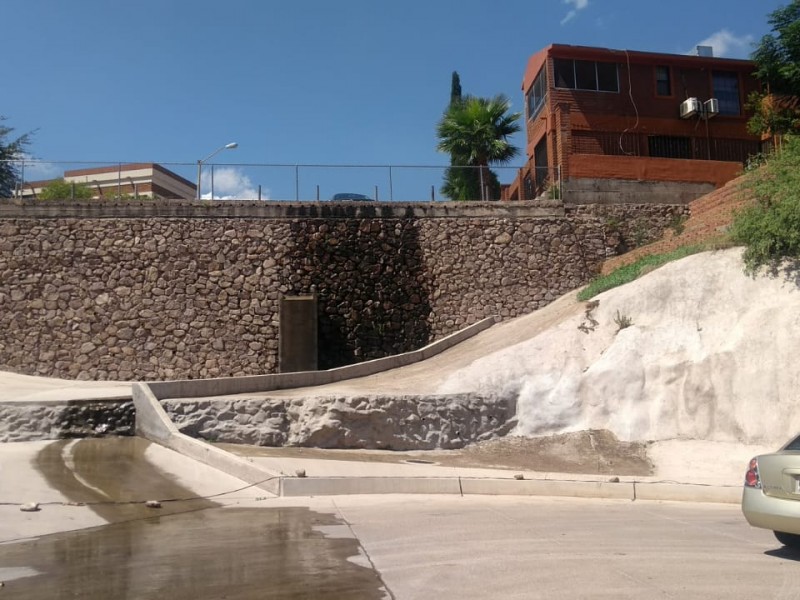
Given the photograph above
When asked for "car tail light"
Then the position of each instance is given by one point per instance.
(752, 478)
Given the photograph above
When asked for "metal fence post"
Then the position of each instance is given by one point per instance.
(391, 187)
(560, 186)
(297, 183)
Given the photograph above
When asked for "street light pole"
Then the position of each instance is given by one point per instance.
(230, 146)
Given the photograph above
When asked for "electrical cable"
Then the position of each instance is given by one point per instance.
(128, 502)
(635, 108)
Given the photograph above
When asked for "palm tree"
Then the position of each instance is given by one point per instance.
(474, 132)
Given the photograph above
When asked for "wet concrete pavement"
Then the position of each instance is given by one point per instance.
(112, 477)
(201, 543)
(245, 544)
(239, 553)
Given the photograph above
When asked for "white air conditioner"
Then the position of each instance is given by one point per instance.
(711, 108)
(690, 108)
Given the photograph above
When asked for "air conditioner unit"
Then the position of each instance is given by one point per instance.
(711, 108)
(690, 108)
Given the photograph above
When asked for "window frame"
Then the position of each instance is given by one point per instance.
(558, 69)
(541, 81)
(734, 76)
(667, 70)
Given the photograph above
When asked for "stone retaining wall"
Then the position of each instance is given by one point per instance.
(396, 423)
(157, 291)
(24, 422)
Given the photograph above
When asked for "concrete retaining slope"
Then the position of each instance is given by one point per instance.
(203, 388)
(152, 423)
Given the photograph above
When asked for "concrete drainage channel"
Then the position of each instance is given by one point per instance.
(153, 423)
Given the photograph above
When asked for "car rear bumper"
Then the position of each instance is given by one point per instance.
(768, 512)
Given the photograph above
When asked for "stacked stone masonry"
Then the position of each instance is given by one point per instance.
(122, 293)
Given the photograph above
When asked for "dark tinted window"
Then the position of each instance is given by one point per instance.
(607, 80)
(663, 82)
(793, 445)
(726, 90)
(585, 75)
(536, 94)
(564, 72)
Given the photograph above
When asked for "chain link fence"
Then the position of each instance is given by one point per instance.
(316, 183)
(276, 182)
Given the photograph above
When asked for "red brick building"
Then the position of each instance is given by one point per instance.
(601, 121)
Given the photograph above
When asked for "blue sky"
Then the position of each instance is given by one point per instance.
(304, 81)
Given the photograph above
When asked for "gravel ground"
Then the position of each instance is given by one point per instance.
(594, 452)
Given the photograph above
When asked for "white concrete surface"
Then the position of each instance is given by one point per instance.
(707, 356)
(447, 547)
(24, 388)
(21, 482)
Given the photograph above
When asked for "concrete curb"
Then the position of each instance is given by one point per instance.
(626, 490)
(338, 486)
(687, 492)
(540, 487)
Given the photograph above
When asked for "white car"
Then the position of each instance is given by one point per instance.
(771, 498)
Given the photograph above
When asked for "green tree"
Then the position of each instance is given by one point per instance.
(455, 88)
(10, 150)
(475, 133)
(62, 190)
(776, 110)
(460, 183)
(770, 227)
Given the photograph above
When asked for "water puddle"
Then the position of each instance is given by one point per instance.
(113, 478)
(190, 549)
(232, 553)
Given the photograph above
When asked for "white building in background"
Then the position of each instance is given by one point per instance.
(149, 180)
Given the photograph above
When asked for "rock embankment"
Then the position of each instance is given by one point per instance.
(28, 421)
(369, 422)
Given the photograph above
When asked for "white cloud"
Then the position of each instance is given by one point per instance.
(577, 5)
(37, 170)
(230, 184)
(727, 45)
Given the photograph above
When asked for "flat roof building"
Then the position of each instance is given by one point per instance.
(149, 180)
(598, 119)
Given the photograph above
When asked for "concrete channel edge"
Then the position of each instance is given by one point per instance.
(153, 423)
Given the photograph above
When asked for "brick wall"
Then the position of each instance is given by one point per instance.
(709, 218)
